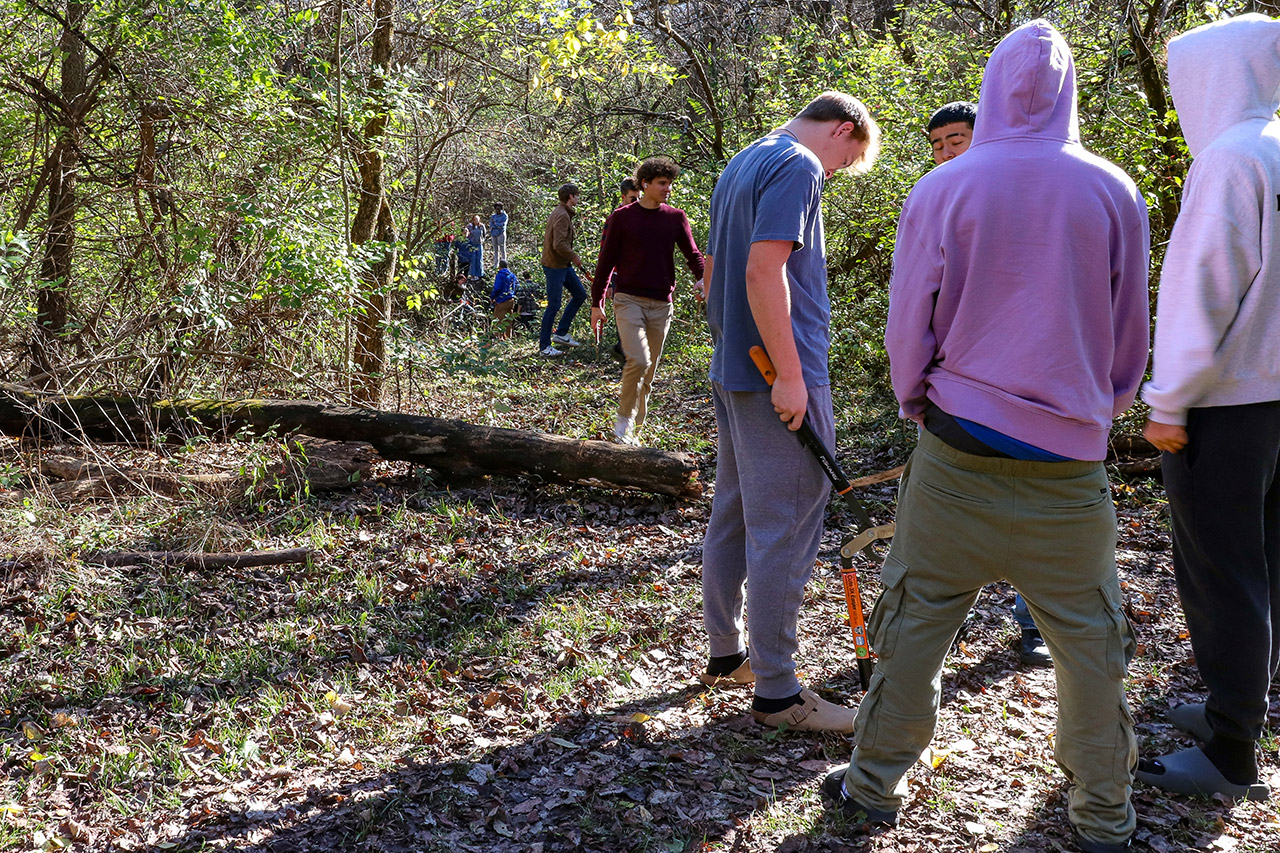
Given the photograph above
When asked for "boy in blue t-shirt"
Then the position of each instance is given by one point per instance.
(767, 275)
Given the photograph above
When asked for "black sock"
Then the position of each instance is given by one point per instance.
(1237, 760)
(725, 664)
(773, 706)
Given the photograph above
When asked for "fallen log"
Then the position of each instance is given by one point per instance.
(1129, 445)
(454, 448)
(199, 559)
(1138, 467)
(314, 464)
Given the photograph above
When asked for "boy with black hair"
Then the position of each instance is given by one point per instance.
(639, 242)
(950, 130)
(629, 192)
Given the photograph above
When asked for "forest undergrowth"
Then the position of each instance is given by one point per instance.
(505, 664)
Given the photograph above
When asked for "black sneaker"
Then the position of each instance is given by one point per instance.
(833, 790)
(1031, 649)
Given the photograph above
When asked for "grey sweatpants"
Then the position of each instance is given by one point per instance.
(764, 533)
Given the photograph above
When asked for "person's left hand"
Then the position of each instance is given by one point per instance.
(1169, 437)
(700, 290)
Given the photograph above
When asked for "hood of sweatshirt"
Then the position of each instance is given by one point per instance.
(1029, 88)
(1224, 73)
(1018, 298)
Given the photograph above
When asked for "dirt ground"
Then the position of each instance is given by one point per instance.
(500, 730)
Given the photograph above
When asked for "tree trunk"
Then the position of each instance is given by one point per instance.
(452, 447)
(1141, 38)
(663, 20)
(373, 218)
(55, 267)
(306, 464)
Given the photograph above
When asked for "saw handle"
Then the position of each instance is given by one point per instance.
(810, 439)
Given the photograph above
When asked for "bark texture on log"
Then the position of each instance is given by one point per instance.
(316, 464)
(201, 559)
(452, 447)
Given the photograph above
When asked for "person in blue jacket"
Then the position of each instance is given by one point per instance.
(503, 298)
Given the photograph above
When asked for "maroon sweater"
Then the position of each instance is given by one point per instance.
(640, 244)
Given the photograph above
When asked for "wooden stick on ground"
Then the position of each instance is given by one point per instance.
(882, 477)
(200, 560)
(454, 448)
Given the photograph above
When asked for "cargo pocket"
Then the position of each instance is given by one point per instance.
(1126, 751)
(886, 616)
(1121, 644)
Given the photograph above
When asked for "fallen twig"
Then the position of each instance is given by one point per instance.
(882, 477)
(200, 560)
(1139, 468)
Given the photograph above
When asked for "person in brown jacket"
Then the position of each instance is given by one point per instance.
(558, 261)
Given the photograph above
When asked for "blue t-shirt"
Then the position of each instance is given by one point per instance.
(771, 190)
(1008, 445)
(497, 224)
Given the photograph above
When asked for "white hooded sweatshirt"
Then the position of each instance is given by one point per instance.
(1218, 315)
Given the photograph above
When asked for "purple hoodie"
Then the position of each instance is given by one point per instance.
(1019, 291)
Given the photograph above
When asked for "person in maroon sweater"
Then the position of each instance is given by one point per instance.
(639, 243)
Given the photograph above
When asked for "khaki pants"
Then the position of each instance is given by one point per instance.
(501, 310)
(642, 328)
(1049, 528)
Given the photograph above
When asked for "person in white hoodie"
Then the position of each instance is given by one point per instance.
(1215, 397)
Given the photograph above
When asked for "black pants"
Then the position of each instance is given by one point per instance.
(1225, 505)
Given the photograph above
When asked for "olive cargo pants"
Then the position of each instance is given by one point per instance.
(1049, 528)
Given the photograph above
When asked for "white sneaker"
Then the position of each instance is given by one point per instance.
(550, 352)
(566, 341)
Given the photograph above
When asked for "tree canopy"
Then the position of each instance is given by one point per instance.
(197, 191)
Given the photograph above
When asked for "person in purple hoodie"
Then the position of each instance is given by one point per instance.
(1018, 329)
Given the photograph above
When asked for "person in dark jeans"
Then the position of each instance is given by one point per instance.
(558, 262)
